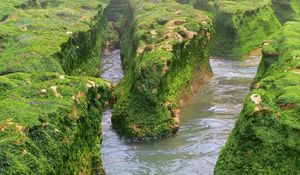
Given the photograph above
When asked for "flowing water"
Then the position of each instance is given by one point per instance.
(206, 122)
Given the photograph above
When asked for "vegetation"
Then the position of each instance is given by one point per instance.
(52, 37)
(163, 48)
(50, 123)
(240, 26)
(265, 138)
(287, 10)
(52, 103)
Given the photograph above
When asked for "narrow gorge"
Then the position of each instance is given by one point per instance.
(149, 87)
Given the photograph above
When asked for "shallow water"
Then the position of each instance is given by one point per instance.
(206, 122)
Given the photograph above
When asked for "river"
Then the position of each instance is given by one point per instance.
(206, 122)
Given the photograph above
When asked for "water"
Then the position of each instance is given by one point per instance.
(206, 122)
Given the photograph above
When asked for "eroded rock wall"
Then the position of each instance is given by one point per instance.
(265, 139)
(166, 44)
(50, 123)
(240, 25)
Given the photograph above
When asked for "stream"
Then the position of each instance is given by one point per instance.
(206, 122)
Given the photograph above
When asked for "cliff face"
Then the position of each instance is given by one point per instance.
(240, 26)
(164, 47)
(265, 139)
(50, 123)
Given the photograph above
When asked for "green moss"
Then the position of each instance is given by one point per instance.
(265, 139)
(54, 37)
(240, 25)
(165, 45)
(287, 10)
(51, 124)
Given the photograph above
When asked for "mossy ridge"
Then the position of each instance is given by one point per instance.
(33, 38)
(161, 51)
(287, 10)
(265, 139)
(62, 134)
(238, 25)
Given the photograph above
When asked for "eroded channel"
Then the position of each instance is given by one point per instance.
(206, 122)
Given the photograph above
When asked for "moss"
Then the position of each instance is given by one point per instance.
(61, 37)
(165, 45)
(265, 137)
(51, 124)
(240, 25)
(287, 10)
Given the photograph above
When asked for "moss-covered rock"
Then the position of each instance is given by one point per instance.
(52, 36)
(51, 124)
(287, 10)
(240, 25)
(265, 139)
(164, 47)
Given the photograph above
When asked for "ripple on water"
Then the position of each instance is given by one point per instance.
(205, 125)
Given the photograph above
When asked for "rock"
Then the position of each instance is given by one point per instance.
(256, 98)
(62, 77)
(175, 113)
(56, 93)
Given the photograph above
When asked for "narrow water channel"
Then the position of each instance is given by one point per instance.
(205, 125)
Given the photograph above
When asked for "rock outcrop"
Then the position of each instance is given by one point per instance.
(265, 139)
(241, 26)
(50, 122)
(166, 44)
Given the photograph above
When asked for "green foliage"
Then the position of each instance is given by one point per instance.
(265, 139)
(163, 48)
